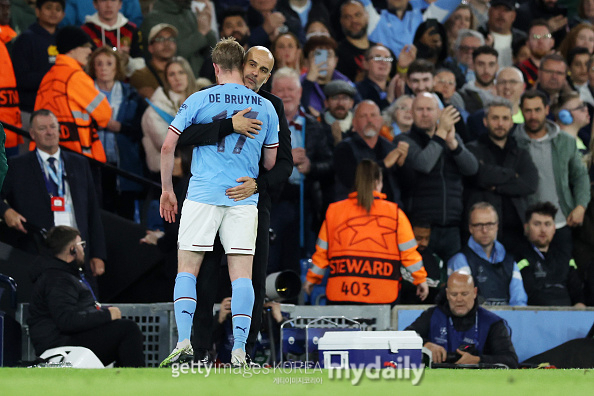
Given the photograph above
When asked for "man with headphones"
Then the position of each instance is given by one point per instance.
(65, 312)
(571, 114)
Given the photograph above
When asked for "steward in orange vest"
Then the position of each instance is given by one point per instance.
(68, 92)
(364, 251)
(9, 96)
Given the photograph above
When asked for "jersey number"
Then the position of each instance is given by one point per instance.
(355, 288)
(241, 141)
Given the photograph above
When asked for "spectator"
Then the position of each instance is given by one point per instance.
(316, 27)
(304, 11)
(540, 44)
(179, 83)
(29, 207)
(162, 47)
(108, 26)
(432, 263)
(580, 36)
(492, 268)
(461, 63)
(475, 94)
(509, 85)
(445, 84)
(122, 136)
(506, 174)
(461, 18)
(571, 115)
(365, 142)
(377, 63)
(266, 23)
(22, 14)
(389, 239)
(233, 23)
(308, 187)
(431, 42)
(502, 14)
(549, 272)
(440, 160)
(520, 51)
(64, 311)
(552, 78)
(578, 72)
(288, 52)
(34, 53)
(556, 157)
(70, 94)
(449, 328)
(398, 118)
(419, 77)
(195, 37)
(585, 13)
(395, 26)
(354, 21)
(549, 10)
(338, 114)
(78, 10)
(9, 110)
(320, 73)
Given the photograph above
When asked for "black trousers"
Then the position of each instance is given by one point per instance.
(207, 286)
(119, 340)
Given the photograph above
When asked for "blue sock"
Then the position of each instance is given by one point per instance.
(242, 303)
(184, 304)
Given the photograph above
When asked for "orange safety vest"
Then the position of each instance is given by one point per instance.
(9, 96)
(364, 251)
(68, 92)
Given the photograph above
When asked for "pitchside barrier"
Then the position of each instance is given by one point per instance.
(534, 329)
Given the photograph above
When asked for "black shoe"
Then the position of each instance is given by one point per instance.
(249, 362)
(202, 357)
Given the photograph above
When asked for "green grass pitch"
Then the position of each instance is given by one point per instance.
(51, 381)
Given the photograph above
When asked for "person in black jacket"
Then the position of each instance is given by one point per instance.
(64, 311)
(506, 174)
(549, 273)
(439, 160)
(267, 185)
(459, 331)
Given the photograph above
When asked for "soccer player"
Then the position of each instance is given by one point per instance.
(207, 210)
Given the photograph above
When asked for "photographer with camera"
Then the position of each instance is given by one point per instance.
(458, 331)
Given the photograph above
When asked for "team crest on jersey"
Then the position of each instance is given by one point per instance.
(182, 107)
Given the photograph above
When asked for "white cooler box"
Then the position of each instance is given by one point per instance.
(396, 349)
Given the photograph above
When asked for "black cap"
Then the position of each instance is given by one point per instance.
(338, 87)
(71, 37)
(510, 4)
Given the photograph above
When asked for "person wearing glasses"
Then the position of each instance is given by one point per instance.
(375, 86)
(493, 269)
(540, 43)
(572, 115)
(162, 46)
(64, 310)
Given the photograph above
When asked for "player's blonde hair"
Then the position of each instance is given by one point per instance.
(228, 54)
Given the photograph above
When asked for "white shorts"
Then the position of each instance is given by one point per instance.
(199, 223)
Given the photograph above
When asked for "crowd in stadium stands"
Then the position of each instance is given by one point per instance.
(479, 114)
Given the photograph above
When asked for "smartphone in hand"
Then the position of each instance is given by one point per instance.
(321, 56)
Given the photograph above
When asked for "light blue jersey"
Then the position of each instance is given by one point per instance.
(215, 168)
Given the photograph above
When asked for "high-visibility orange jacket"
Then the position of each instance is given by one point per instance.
(69, 92)
(9, 96)
(364, 251)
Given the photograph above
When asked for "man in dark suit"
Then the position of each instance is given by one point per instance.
(256, 71)
(49, 187)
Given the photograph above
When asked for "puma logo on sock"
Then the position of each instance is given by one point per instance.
(241, 328)
(191, 314)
